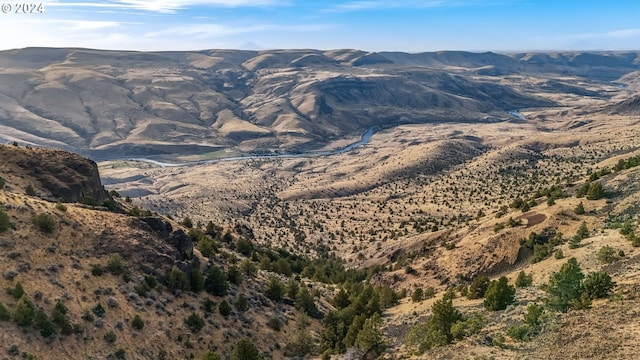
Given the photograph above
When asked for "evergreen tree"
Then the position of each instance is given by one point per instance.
(275, 289)
(565, 286)
(216, 282)
(371, 338)
(24, 311)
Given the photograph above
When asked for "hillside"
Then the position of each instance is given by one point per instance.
(114, 104)
(87, 272)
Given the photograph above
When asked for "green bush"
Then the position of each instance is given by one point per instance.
(499, 294)
(275, 289)
(478, 287)
(244, 349)
(178, 280)
(5, 315)
(597, 285)
(43, 324)
(45, 222)
(607, 255)
(137, 323)
(194, 322)
(5, 221)
(29, 190)
(187, 222)
(523, 280)
(98, 310)
(596, 191)
(579, 209)
(116, 264)
(110, 337)
(17, 291)
(216, 282)
(3, 182)
(60, 206)
(437, 330)
(224, 308)
(519, 332)
(24, 311)
(417, 295)
(274, 323)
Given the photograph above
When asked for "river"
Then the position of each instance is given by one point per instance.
(364, 139)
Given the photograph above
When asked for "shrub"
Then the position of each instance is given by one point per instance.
(274, 323)
(29, 190)
(596, 191)
(607, 255)
(275, 289)
(523, 280)
(45, 222)
(97, 270)
(248, 268)
(43, 324)
(194, 322)
(119, 354)
(467, 327)
(244, 246)
(234, 275)
(478, 287)
(17, 291)
(558, 254)
(5, 221)
(224, 308)
(597, 285)
(499, 294)
(116, 265)
(60, 206)
(533, 314)
(187, 222)
(417, 295)
(5, 315)
(519, 332)
(208, 305)
(242, 304)
(197, 280)
(98, 310)
(437, 330)
(3, 182)
(579, 209)
(24, 311)
(110, 337)
(244, 349)
(137, 323)
(177, 280)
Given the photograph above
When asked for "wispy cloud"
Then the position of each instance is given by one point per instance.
(381, 4)
(74, 25)
(164, 6)
(219, 30)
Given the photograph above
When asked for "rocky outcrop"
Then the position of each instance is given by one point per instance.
(56, 174)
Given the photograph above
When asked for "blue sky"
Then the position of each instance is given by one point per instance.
(373, 25)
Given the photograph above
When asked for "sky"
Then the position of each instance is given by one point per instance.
(370, 25)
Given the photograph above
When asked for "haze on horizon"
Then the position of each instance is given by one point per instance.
(373, 25)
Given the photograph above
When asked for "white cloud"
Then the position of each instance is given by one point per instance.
(74, 25)
(164, 6)
(382, 4)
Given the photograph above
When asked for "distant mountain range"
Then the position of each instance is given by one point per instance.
(112, 104)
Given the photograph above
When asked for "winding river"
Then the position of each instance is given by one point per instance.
(364, 139)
